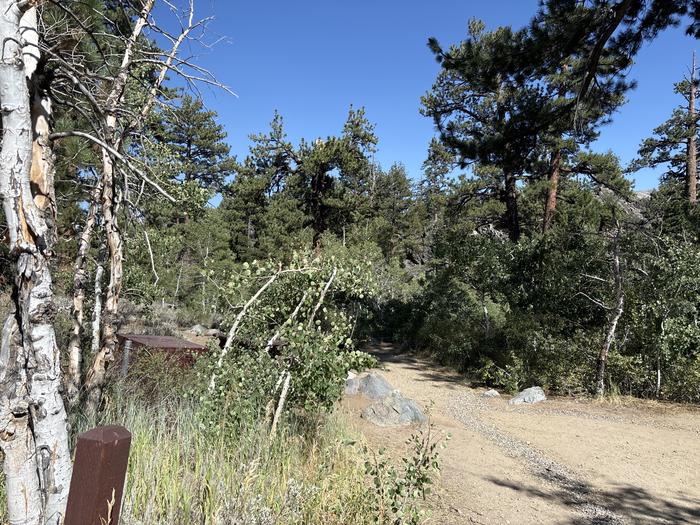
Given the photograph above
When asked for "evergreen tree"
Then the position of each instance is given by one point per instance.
(673, 147)
(198, 141)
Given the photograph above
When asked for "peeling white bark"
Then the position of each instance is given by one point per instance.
(280, 404)
(97, 374)
(97, 310)
(33, 422)
(75, 355)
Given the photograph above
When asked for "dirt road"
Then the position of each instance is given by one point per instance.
(562, 461)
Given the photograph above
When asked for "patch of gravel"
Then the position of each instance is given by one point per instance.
(638, 420)
(576, 492)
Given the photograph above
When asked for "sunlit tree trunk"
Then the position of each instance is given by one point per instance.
(110, 200)
(75, 357)
(33, 422)
(96, 376)
(613, 320)
(551, 204)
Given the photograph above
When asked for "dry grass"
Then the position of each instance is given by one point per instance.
(178, 474)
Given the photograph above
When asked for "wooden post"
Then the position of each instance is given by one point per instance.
(99, 470)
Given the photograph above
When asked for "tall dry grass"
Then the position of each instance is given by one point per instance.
(311, 473)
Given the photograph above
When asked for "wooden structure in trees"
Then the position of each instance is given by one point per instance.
(181, 350)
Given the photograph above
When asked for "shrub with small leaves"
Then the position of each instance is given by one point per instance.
(399, 491)
(289, 321)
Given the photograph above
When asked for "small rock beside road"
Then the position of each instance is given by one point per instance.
(530, 396)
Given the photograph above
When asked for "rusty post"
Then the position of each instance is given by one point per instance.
(99, 470)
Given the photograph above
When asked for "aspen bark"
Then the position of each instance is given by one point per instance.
(615, 315)
(97, 311)
(33, 422)
(97, 374)
(75, 357)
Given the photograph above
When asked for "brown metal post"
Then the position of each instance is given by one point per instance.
(96, 488)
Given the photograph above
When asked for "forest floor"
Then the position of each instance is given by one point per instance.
(563, 461)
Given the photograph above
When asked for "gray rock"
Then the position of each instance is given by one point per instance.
(352, 386)
(211, 332)
(491, 393)
(371, 385)
(531, 395)
(394, 410)
(198, 329)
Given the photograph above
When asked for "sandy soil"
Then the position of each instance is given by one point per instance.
(563, 461)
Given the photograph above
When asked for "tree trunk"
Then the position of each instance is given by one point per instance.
(691, 164)
(551, 204)
(34, 430)
(97, 311)
(615, 315)
(487, 320)
(96, 376)
(511, 200)
(74, 379)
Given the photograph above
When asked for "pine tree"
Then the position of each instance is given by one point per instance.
(673, 206)
(198, 141)
(504, 99)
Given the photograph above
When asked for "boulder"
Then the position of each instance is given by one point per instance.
(352, 386)
(198, 329)
(394, 410)
(531, 395)
(371, 385)
(211, 332)
(491, 393)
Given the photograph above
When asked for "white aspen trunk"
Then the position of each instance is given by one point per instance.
(234, 329)
(97, 311)
(96, 376)
(75, 357)
(280, 405)
(322, 297)
(34, 427)
(487, 321)
(289, 320)
(177, 284)
(614, 319)
(24, 501)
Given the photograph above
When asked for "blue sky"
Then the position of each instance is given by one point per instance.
(311, 59)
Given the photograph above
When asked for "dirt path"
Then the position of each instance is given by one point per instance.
(559, 462)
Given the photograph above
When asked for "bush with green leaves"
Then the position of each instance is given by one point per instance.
(397, 492)
(287, 321)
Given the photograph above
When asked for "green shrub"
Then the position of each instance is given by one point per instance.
(398, 492)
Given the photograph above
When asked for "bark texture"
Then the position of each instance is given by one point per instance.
(110, 200)
(614, 318)
(33, 422)
(75, 357)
